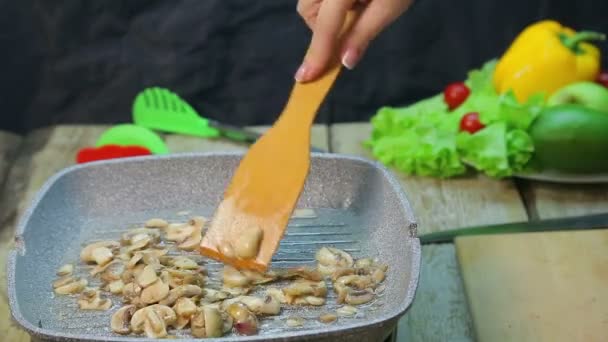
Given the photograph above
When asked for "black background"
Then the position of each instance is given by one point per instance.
(83, 61)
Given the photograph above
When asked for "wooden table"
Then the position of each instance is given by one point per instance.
(439, 312)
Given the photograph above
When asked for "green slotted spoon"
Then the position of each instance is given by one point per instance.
(162, 110)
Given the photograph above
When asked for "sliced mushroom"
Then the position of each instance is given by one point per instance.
(65, 270)
(214, 324)
(247, 244)
(212, 295)
(245, 322)
(358, 297)
(121, 320)
(327, 318)
(136, 258)
(378, 275)
(184, 263)
(192, 241)
(90, 299)
(63, 281)
(139, 241)
(364, 263)
(102, 255)
(236, 291)
(153, 320)
(86, 254)
(294, 322)
(131, 292)
(330, 258)
(234, 278)
(72, 287)
(309, 300)
(301, 272)
(135, 236)
(156, 223)
(303, 287)
(268, 305)
(154, 293)
(357, 281)
(179, 232)
(257, 278)
(111, 272)
(116, 286)
(197, 325)
(346, 310)
(185, 277)
(185, 309)
(147, 276)
(277, 294)
(181, 291)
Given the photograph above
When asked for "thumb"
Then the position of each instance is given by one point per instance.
(375, 18)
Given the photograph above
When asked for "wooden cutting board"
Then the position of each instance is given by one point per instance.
(537, 286)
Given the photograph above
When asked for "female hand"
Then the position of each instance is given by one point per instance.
(326, 17)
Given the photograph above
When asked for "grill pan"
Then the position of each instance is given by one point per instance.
(359, 207)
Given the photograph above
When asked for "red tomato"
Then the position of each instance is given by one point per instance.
(602, 78)
(455, 94)
(470, 123)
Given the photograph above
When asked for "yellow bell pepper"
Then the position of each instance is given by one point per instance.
(545, 57)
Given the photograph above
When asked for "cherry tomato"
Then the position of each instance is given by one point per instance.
(470, 123)
(602, 78)
(455, 94)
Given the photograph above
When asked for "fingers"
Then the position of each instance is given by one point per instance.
(308, 10)
(376, 16)
(326, 29)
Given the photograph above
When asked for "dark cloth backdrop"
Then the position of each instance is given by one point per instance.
(80, 61)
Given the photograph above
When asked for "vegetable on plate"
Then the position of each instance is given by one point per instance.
(545, 57)
(491, 122)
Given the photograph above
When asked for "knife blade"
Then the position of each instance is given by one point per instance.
(597, 221)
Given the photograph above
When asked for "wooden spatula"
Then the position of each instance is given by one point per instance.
(250, 221)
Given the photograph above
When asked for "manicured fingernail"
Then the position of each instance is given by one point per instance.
(301, 73)
(350, 58)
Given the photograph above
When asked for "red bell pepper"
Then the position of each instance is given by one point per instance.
(89, 154)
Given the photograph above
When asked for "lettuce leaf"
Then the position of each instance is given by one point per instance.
(495, 150)
(424, 138)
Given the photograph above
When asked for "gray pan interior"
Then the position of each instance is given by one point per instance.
(360, 208)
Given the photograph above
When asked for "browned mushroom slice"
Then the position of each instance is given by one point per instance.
(90, 299)
(329, 259)
(181, 291)
(98, 251)
(156, 223)
(245, 322)
(71, 287)
(154, 293)
(121, 320)
(65, 270)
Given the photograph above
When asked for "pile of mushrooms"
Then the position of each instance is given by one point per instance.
(158, 287)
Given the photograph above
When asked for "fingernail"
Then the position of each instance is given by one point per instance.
(301, 73)
(350, 58)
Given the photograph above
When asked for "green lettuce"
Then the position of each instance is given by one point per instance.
(424, 138)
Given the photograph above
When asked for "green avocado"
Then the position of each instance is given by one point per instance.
(571, 138)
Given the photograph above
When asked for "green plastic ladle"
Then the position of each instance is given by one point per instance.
(162, 110)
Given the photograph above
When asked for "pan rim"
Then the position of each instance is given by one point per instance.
(383, 319)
